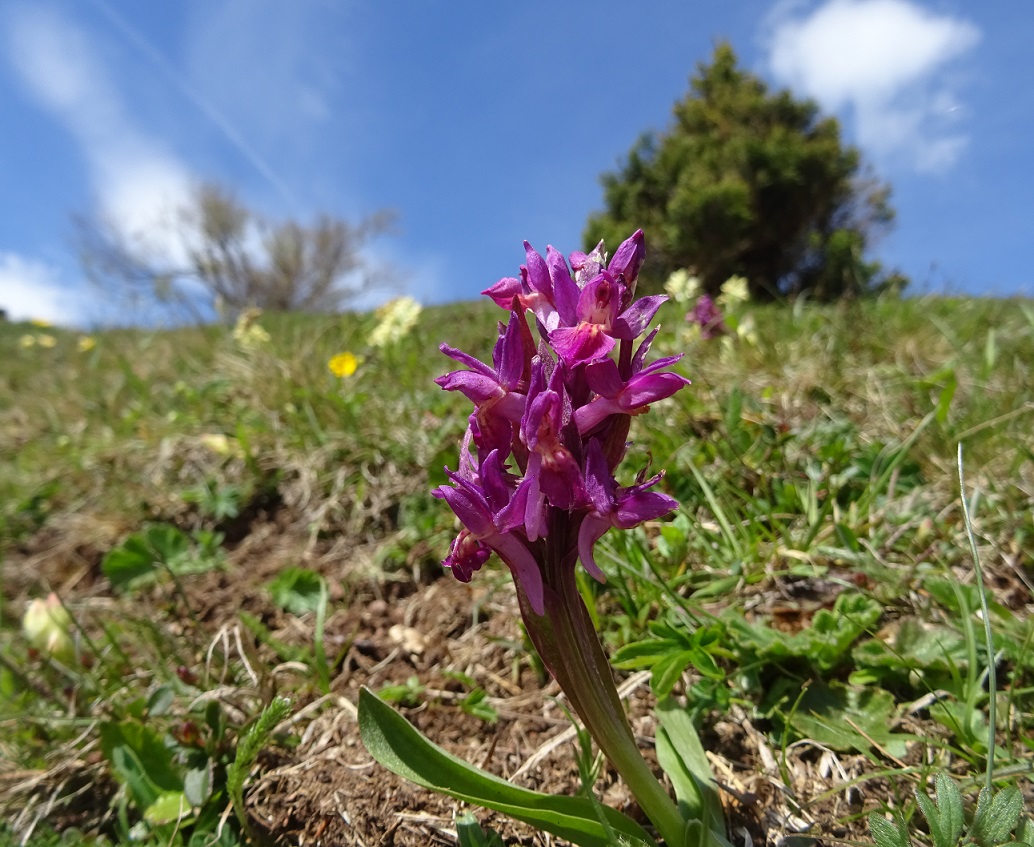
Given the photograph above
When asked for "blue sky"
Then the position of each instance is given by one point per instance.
(483, 124)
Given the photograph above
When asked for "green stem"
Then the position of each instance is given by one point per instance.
(568, 644)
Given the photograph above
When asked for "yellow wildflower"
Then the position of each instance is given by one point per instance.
(86, 343)
(397, 318)
(27, 341)
(45, 340)
(42, 324)
(47, 626)
(343, 364)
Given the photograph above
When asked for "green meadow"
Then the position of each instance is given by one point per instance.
(238, 538)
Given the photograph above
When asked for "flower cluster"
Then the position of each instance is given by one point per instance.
(535, 481)
(396, 318)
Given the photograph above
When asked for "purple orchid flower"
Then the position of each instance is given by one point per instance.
(499, 392)
(614, 396)
(552, 465)
(707, 316)
(613, 506)
(484, 511)
(536, 482)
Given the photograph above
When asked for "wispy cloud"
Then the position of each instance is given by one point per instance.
(269, 67)
(32, 289)
(140, 186)
(876, 60)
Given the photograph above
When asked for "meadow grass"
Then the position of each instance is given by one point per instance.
(816, 587)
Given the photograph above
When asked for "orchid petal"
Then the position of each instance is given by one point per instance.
(628, 259)
(631, 323)
(591, 531)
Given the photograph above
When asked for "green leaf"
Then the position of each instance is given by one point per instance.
(470, 834)
(668, 671)
(170, 807)
(197, 784)
(848, 718)
(160, 700)
(154, 759)
(138, 559)
(393, 742)
(887, 833)
(129, 564)
(474, 704)
(297, 590)
(996, 817)
(168, 543)
(682, 757)
(126, 765)
(938, 831)
(949, 802)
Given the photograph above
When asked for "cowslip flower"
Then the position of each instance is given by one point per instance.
(682, 286)
(343, 365)
(48, 628)
(535, 483)
(735, 291)
(397, 317)
(86, 343)
(247, 332)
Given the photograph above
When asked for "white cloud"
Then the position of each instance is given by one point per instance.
(139, 186)
(31, 289)
(876, 59)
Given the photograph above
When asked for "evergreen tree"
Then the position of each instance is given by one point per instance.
(749, 182)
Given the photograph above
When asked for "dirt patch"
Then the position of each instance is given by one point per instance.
(418, 626)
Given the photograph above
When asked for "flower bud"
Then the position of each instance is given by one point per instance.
(47, 627)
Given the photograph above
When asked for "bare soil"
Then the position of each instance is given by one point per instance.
(410, 620)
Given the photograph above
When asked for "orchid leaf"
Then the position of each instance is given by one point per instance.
(682, 757)
(399, 747)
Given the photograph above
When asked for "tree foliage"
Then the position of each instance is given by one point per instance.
(749, 182)
(223, 257)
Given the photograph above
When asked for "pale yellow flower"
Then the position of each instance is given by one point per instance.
(344, 364)
(683, 287)
(747, 331)
(247, 333)
(734, 292)
(219, 443)
(27, 341)
(42, 324)
(45, 340)
(397, 318)
(47, 627)
(86, 343)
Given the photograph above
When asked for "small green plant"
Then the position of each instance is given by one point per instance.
(409, 693)
(996, 821)
(161, 548)
(998, 818)
(216, 501)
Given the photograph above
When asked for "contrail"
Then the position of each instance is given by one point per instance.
(207, 109)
